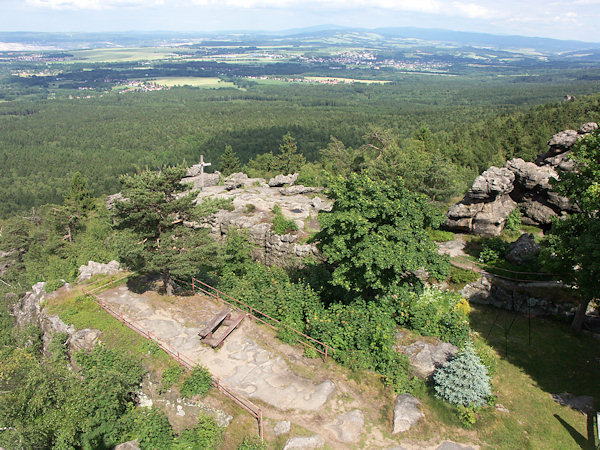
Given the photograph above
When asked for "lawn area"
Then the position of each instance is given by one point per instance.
(200, 82)
(555, 362)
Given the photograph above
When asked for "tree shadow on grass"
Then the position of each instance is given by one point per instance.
(556, 359)
(581, 441)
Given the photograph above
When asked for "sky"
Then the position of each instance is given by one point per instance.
(561, 19)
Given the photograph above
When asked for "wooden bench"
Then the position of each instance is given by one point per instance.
(215, 322)
(231, 324)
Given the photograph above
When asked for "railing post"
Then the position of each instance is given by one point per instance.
(193, 286)
(325, 353)
(260, 425)
(178, 360)
(149, 337)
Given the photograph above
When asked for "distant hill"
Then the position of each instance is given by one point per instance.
(329, 33)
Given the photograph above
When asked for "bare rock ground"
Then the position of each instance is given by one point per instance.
(316, 398)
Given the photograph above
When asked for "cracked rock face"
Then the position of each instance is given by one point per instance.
(406, 413)
(499, 190)
(347, 427)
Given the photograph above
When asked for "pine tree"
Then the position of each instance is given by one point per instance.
(230, 163)
(464, 380)
(288, 160)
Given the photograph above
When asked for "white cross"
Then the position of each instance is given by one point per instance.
(202, 166)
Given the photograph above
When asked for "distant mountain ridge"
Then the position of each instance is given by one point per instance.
(72, 41)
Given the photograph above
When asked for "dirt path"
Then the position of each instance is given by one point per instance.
(307, 392)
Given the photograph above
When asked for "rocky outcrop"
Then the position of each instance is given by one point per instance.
(406, 413)
(498, 191)
(523, 249)
(544, 298)
(28, 310)
(283, 180)
(95, 268)
(253, 203)
(304, 443)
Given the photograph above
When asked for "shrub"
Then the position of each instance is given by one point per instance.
(443, 314)
(487, 355)
(441, 235)
(467, 415)
(461, 276)
(198, 382)
(513, 221)
(170, 377)
(493, 250)
(464, 380)
(53, 285)
(153, 429)
(281, 225)
(206, 434)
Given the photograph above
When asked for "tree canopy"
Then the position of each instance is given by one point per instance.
(573, 241)
(375, 237)
(155, 239)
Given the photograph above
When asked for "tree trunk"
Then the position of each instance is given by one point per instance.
(577, 323)
(168, 285)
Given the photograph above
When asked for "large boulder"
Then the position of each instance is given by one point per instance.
(282, 180)
(95, 268)
(483, 218)
(304, 443)
(493, 182)
(523, 249)
(406, 413)
(425, 358)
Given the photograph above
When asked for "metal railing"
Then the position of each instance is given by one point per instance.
(254, 313)
(178, 356)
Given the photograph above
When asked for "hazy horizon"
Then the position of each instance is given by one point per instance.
(565, 20)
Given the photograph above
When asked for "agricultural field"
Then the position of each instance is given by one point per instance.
(198, 82)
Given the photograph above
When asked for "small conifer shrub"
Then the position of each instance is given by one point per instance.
(464, 380)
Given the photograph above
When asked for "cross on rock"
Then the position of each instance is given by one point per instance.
(202, 166)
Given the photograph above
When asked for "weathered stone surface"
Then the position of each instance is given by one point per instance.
(581, 403)
(544, 298)
(195, 179)
(425, 358)
(347, 427)
(500, 407)
(523, 249)
(304, 443)
(26, 311)
(131, 445)
(85, 339)
(587, 128)
(114, 198)
(493, 182)
(282, 427)
(282, 180)
(406, 413)
(299, 190)
(525, 183)
(94, 268)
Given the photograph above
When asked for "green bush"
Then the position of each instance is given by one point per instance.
(198, 382)
(58, 346)
(171, 376)
(487, 355)
(281, 225)
(464, 380)
(205, 435)
(153, 429)
(441, 235)
(435, 313)
(492, 250)
(461, 276)
(467, 415)
(53, 285)
(513, 221)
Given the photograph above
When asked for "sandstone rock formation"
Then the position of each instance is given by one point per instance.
(498, 191)
(95, 268)
(253, 202)
(425, 358)
(523, 249)
(347, 427)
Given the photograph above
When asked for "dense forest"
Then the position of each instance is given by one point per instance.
(471, 124)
